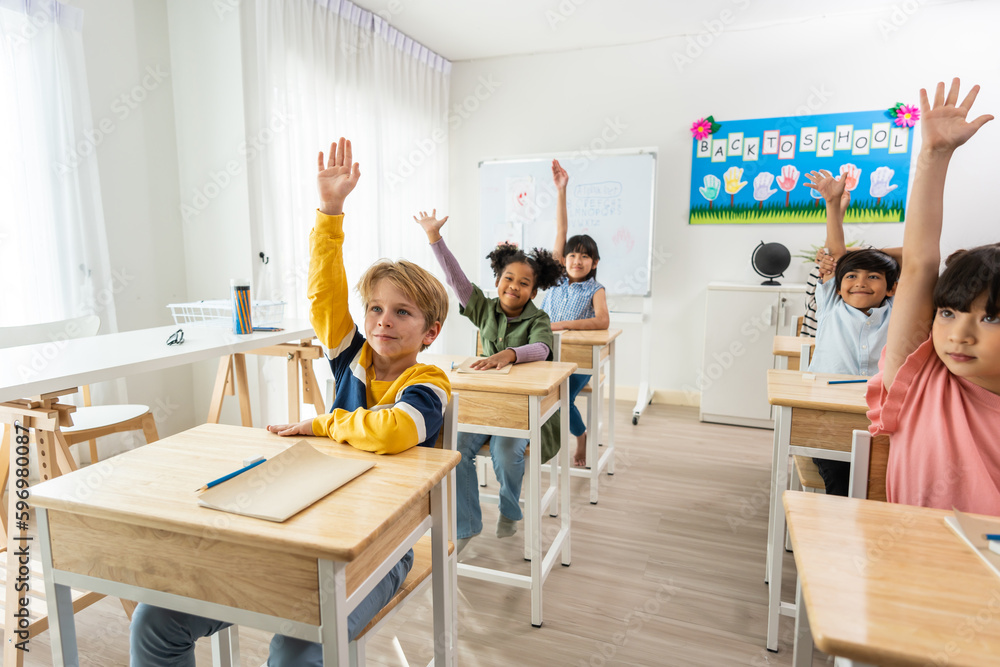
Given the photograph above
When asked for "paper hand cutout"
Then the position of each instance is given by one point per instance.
(762, 187)
(880, 183)
(852, 174)
(711, 189)
(733, 183)
(789, 177)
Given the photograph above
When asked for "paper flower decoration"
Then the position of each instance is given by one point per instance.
(907, 116)
(904, 115)
(703, 127)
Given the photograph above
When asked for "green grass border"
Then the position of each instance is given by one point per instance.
(777, 213)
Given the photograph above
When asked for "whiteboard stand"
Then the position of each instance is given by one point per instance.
(645, 395)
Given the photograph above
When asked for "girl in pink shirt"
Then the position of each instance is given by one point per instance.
(938, 391)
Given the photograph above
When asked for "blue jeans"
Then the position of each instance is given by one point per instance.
(577, 381)
(165, 638)
(508, 463)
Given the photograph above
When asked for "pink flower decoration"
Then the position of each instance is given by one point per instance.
(907, 116)
(701, 128)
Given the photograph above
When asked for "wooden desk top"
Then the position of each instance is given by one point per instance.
(47, 367)
(892, 584)
(154, 486)
(539, 378)
(791, 346)
(590, 337)
(789, 389)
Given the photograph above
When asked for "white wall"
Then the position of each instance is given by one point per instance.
(130, 79)
(562, 102)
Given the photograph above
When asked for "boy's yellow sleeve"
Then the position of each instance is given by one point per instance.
(387, 431)
(327, 289)
(414, 417)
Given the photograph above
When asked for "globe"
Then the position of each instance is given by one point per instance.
(770, 260)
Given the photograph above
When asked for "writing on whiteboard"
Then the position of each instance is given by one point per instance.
(606, 189)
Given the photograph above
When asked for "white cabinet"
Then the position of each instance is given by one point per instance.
(741, 323)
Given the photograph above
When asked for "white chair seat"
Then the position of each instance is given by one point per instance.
(100, 416)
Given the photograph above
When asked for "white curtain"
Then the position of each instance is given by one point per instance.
(324, 69)
(53, 247)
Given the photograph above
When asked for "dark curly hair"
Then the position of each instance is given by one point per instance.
(967, 274)
(548, 272)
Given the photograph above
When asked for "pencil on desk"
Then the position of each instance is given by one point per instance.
(845, 381)
(224, 478)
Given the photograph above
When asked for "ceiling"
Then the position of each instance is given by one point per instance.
(476, 29)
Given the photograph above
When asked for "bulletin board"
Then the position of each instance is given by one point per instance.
(754, 171)
(609, 197)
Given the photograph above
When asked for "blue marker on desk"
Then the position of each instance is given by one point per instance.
(845, 381)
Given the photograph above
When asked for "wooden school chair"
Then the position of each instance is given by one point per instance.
(225, 643)
(870, 457)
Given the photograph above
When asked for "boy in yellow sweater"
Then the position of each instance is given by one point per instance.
(386, 402)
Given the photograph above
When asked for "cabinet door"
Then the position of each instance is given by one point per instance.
(739, 336)
(791, 306)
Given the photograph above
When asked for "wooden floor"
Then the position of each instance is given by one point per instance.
(668, 569)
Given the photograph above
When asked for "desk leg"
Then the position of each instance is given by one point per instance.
(292, 373)
(779, 426)
(62, 628)
(610, 452)
(441, 571)
(564, 463)
(333, 613)
(802, 653)
(533, 534)
(594, 438)
(776, 543)
(223, 386)
(243, 389)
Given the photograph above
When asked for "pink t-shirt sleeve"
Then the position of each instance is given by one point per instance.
(884, 407)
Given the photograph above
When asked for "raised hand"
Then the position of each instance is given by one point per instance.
(432, 226)
(337, 179)
(559, 175)
(762, 187)
(943, 126)
(880, 183)
(711, 189)
(833, 190)
(733, 183)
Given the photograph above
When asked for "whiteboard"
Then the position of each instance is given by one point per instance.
(610, 197)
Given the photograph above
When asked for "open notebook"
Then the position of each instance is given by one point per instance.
(285, 484)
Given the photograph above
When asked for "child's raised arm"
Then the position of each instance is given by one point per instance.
(561, 180)
(327, 288)
(943, 129)
(837, 199)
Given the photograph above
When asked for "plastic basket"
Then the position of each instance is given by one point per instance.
(219, 312)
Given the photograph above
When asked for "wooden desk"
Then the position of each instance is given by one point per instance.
(517, 405)
(813, 419)
(39, 374)
(139, 533)
(593, 351)
(788, 350)
(892, 584)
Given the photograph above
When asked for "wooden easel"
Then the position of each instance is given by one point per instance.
(42, 416)
(232, 379)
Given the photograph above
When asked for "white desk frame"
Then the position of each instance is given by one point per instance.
(645, 395)
(541, 561)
